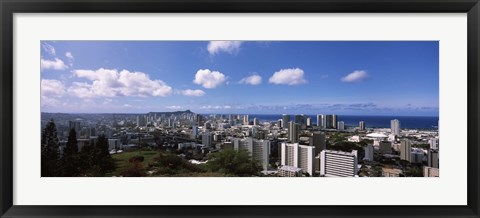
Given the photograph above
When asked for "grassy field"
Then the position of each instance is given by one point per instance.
(122, 160)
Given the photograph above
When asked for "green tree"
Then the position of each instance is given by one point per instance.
(70, 165)
(86, 161)
(103, 160)
(50, 151)
(233, 163)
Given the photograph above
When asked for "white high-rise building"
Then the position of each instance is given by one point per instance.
(338, 163)
(258, 149)
(309, 121)
(433, 143)
(340, 125)
(320, 121)
(246, 120)
(361, 125)
(255, 122)
(395, 127)
(368, 153)
(300, 156)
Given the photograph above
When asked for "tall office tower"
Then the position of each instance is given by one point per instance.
(206, 139)
(75, 125)
(300, 119)
(433, 143)
(340, 125)
(309, 121)
(259, 149)
(320, 122)
(368, 153)
(255, 121)
(141, 121)
(194, 132)
(319, 141)
(338, 163)
(300, 156)
(395, 126)
(361, 125)
(385, 147)
(280, 123)
(286, 120)
(405, 150)
(433, 158)
(246, 120)
(334, 121)
(328, 121)
(292, 132)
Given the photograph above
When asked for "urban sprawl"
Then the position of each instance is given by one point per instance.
(184, 143)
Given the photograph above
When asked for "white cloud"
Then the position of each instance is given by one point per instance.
(355, 76)
(292, 76)
(191, 92)
(56, 64)
(230, 47)
(48, 48)
(52, 88)
(176, 107)
(69, 56)
(251, 80)
(111, 83)
(209, 79)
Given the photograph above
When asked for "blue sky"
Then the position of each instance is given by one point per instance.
(309, 77)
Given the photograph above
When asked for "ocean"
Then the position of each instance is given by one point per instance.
(408, 122)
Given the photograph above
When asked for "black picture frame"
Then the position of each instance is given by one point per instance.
(9, 7)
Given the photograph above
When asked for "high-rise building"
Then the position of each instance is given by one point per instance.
(285, 120)
(433, 158)
(319, 141)
(293, 129)
(331, 121)
(246, 120)
(405, 150)
(75, 125)
(258, 149)
(300, 119)
(334, 121)
(300, 156)
(194, 132)
(340, 125)
(309, 121)
(368, 153)
(385, 147)
(320, 121)
(338, 163)
(361, 125)
(141, 120)
(255, 121)
(206, 139)
(433, 143)
(395, 127)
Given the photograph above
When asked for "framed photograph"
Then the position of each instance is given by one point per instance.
(241, 109)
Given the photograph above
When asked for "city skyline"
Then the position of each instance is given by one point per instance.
(249, 77)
